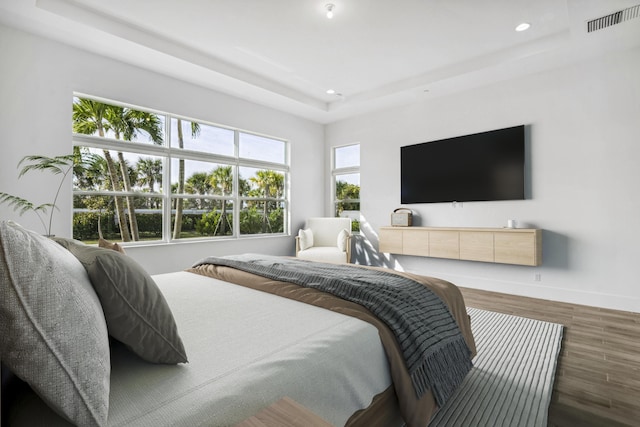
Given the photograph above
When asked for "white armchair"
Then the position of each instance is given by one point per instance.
(325, 240)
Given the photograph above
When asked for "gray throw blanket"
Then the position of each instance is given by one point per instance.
(435, 352)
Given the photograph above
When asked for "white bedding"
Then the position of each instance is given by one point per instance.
(247, 349)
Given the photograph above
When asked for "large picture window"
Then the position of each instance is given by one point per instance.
(346, 183)
(154, 176)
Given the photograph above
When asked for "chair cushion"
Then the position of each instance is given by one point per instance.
(53, 331)
(326, 230)
(305, 238)
(324, 254)
(343, 236)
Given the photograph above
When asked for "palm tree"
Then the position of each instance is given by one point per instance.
(270, 185)
(89, 118)
(222, 182)
(128, 123)
(149, 173)
(94, 174)
(199, 183)
(195, 131)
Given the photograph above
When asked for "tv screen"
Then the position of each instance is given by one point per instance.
(480, 167)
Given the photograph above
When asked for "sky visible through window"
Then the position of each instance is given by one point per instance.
(345, 157)
(211, 139)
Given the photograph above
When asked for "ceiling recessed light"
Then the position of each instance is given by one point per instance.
(331, 92)
(523, 27)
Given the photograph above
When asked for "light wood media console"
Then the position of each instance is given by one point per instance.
(521, 246)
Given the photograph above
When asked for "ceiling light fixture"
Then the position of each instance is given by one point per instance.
(329, 7)
(523, 27)
(334, 93)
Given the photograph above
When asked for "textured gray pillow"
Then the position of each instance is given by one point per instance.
(52, 329)
(137, 313)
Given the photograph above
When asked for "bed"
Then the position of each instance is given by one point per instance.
(250, 341)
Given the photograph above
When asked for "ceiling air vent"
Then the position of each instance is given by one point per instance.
(613, 18)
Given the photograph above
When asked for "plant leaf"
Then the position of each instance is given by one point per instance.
(56, 165)
(23, 205)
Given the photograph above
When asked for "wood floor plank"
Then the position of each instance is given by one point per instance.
(598, 375)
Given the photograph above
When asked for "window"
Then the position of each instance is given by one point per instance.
(147, 176)
(346, 183)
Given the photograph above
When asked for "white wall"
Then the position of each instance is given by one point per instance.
(584, 155)
(37, 81)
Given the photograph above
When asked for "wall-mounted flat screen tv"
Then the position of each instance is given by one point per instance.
(480, 167)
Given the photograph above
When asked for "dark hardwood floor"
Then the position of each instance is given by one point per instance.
(597, 380)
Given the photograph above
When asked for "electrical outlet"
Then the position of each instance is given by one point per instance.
(537, 277)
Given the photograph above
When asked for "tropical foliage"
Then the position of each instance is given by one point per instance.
(93, 117)
(122, 194)
(348, 199)
(177, 222)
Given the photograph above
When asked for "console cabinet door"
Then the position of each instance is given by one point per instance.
(476, 246)
(415, 242)
(515, 248)
(390, 241)
(444, 244)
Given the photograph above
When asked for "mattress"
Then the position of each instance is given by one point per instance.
(247, 349)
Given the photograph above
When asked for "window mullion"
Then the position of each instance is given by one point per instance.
(102, 143)
(344, 171)
(166, 184)
(201, 156)
(236, 185)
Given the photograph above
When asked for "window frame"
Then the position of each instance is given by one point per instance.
(335, 172)
(168, 153)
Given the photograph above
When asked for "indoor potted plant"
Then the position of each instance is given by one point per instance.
(58, 165)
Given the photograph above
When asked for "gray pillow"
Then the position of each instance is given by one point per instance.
(52, 329)
(135, 309)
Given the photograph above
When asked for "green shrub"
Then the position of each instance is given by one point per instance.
(209, 224)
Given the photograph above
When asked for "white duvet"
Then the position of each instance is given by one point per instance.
(246, 350)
